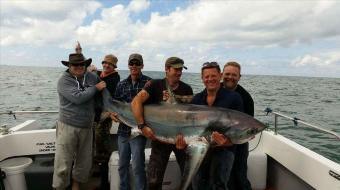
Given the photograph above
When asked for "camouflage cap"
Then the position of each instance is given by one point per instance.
(175, 62)
(136, 56)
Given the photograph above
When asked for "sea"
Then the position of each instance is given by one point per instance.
(312, 99)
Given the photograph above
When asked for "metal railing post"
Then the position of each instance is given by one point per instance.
(297, 121)
(275, 124)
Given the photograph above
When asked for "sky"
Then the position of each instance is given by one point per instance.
(293, 38)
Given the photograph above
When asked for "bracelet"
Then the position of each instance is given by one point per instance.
(141, 126)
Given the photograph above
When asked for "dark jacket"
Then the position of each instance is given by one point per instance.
(111, 84)
(248, 103)
(224, 98)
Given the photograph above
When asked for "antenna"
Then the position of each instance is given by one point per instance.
(78, 48)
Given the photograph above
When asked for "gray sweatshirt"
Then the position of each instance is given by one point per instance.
(76, 99)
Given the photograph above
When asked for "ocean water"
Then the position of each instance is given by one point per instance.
(315, 100)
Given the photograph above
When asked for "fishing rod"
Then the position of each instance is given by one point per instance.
(25, 112)
(296, 121)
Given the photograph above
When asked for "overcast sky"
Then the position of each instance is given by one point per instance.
(299, 38)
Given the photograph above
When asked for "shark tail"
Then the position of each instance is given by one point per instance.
(196, 152)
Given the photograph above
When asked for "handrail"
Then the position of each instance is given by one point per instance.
(25, 112)
(267, 110)
(297, 121)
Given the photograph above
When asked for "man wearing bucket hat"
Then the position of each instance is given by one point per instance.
(169, 88)
(76, 89)
(103, 142)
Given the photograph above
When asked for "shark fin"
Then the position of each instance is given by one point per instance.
(195, 151)
(135, 132)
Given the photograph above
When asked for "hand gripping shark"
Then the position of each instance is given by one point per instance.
(194, 122)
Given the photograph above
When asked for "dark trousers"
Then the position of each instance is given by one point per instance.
(215, 169)
(102, 151)
(238, 178)
(160, 153)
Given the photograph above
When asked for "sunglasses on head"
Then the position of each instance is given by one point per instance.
(77, 64)
(135, 62)
(210, 65)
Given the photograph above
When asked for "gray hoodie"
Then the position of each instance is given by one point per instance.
(76, 99)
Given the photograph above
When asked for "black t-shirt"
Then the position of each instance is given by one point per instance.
(183, 93)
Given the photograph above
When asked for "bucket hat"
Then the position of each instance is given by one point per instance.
(111, 59)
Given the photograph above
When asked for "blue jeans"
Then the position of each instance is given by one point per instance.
(215, 169)
(126, 148)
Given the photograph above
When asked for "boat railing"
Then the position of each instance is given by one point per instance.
(296, 121)
(25, 112)
(5, 129)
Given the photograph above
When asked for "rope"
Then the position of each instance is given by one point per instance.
(258, 142)
(2, 177)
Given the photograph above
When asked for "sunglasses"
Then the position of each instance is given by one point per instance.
(77, 64)
(133, 62)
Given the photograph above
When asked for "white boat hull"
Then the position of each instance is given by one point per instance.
(309, 168)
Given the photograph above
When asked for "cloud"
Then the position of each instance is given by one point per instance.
(321, 60)
(42, 22)
(115, 26)
(244, 24)
(112, 28)
(306, 60)
(225, 24)
(323, 64)
(138, 5)
(196, 31)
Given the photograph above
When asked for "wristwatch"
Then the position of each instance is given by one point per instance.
(141, 126)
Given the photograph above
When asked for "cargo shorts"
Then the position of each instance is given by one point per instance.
(72, 145)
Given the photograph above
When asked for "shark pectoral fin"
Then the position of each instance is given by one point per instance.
(134, 133)
(195, 151)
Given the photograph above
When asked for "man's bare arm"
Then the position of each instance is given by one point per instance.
(138, 112)
(137, 106)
